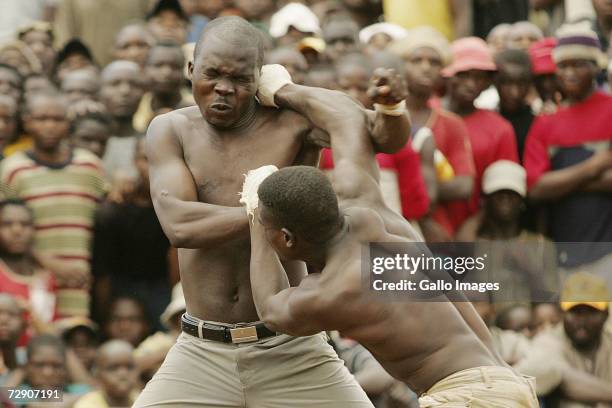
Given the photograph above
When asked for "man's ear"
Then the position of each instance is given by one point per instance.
(289, 238)
(190, 70)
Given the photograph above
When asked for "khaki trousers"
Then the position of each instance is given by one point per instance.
(482, 387)
(275, 372)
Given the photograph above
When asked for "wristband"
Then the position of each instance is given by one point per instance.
(392, 110)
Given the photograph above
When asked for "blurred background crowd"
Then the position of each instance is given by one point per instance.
(512, 131)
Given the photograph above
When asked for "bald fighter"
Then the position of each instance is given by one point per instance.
(440, 349)
(225, 357)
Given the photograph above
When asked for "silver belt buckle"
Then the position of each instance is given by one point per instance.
(244, 334)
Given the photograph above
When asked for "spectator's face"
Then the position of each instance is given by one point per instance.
(46, 122)
(293, 61)
(15, 58)
(164, 69)
(168, 26)
(379, 41)
(11, 321)
(576, 77)
(584, 325)
(46, 368)
(16, 230)
(74, 62)
(466, 86)
(522, 37)
(341, 39)
(422, 70)
(543, 316)
(91, 135)
(210, 8)
(133, 44)
(505, 206)
(84, 344)
(117, 373)
(41, 44)
(603, 8)
(37, 84)
(254, 9)
(80, 85)
(127, 322)
(512, 82)
(353, 79)
(8, 120)
(121, 91)
(10, 83)
(224, 81)
(498, 40)
(547, 86)
(519, 320)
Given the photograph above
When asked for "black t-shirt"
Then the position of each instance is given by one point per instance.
(489, 13)
(521, 121)
(129, 244)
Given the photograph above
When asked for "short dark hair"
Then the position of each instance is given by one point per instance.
(302, 199)
(515, 57)
(168, 45)
(18, 202)
(44, 340)
(235, 30)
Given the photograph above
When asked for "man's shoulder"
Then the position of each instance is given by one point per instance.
(16, 162)
(365, 223)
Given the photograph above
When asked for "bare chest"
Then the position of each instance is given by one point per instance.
(218, 165)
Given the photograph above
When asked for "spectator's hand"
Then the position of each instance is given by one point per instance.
(601, 161)
(387, 87)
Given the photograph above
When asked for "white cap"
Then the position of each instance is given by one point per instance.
(505, 175)
(394, 31)
(294, 15)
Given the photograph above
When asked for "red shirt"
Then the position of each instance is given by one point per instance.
(492, 139)
(564, 139)
(452, 139)
(405, 166)
(38, 291)
(576, 125)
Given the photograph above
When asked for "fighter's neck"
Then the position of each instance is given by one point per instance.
(323, 251)
(245, 121)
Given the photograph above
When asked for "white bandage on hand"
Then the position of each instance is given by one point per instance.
(392, 110)
(273, 77)
(248, 196)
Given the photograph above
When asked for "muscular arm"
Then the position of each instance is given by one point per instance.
(583, 387)
(282, 308)
(389, 133)
(186, 222)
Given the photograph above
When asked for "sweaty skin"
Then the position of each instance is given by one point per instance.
(198, 157)
(399, 334)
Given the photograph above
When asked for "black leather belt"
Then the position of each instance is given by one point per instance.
(238, 334)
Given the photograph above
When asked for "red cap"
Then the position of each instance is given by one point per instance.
(470, 53)
(540, 54)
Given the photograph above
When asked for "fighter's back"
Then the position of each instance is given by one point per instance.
(216, 277)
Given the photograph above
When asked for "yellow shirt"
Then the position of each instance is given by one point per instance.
(23, 143)
(415, 13)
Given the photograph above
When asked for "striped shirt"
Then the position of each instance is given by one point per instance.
(63, 198)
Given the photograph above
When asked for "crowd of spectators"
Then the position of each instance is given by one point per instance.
(511, 109)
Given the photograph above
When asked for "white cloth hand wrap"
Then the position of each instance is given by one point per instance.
(392, 110)
(273, 77)
(248, 196)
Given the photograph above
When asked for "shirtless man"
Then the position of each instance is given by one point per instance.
(197, 159)
(303, 216)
